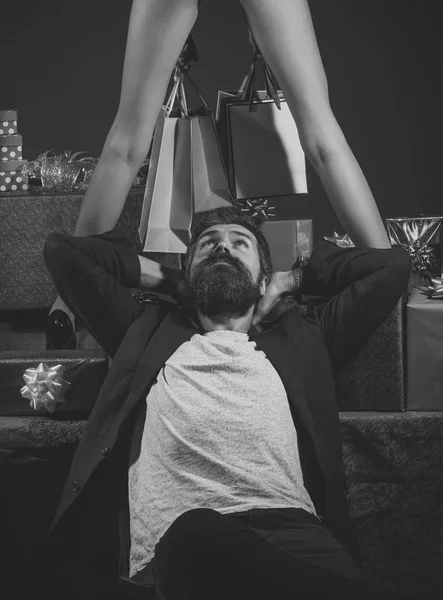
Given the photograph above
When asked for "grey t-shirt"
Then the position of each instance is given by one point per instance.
(218, 434)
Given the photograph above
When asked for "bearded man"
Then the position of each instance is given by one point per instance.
(211, 466)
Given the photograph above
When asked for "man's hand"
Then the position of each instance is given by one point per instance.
(182, 294)
(281, 283)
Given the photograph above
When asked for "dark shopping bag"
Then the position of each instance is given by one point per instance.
(259, 138)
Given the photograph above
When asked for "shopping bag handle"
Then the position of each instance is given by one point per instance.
(247, 91)
(178, 92)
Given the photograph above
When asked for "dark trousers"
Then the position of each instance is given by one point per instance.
(269, 554)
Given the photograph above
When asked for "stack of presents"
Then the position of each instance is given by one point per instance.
(390, 397)
(11, 154)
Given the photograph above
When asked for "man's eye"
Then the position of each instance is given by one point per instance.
(207, 242)
(245, 244)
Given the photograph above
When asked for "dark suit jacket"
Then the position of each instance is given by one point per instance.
(90, 533)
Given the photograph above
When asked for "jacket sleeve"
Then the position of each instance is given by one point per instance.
(92, 275)
(363, 286)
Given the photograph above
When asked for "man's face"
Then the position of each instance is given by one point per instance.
(225, 274)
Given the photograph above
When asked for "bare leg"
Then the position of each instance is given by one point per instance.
(158, 30)
(285, 34)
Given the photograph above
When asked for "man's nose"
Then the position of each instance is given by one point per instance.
(221, 247)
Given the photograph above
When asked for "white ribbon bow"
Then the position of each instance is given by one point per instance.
(344, 241)
(45, 387)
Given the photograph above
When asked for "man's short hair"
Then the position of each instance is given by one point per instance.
(229, 215)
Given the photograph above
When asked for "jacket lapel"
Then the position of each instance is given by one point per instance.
(175, 330)
(281, 352)
(116, 402)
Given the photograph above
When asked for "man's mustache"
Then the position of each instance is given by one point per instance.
(227, 258)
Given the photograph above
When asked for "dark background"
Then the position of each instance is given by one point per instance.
(62, 63)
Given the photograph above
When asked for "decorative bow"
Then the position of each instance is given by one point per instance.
(69, 171)
(416, 234)
(257, 207)
(422, 257)
(434, 291)
(344, 241)
(45, 387)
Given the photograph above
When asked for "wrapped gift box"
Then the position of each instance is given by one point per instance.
(375, 379)
(11, 176)
(261, 148)
(424, 352)
(27, 218)
(8, 122)
(288, 241)
(85, 370)
(11, 147)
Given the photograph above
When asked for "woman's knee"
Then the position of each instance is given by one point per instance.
(321, 150)
(125, 144)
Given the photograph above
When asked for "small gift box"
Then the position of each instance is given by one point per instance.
(12, 177)
(421, 236)
(8, 122)
(60, 382)
(424, 372)
(289, 242)
(11, 147)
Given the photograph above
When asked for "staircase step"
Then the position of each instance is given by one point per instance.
(85, 370)
(393, 466)
(25, 330)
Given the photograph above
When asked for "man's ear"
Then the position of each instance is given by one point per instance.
(263, 285)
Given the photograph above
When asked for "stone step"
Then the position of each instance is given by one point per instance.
(394, 471)
(25, 330)
(83, 370)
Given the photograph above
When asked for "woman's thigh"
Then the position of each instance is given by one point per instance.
(158, 30)
(284, 32)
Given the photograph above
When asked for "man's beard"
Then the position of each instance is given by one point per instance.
(223, 288)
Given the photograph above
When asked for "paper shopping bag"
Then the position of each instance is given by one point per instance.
(259, 139)
(167, 204)
(209, 175)
(186, 173)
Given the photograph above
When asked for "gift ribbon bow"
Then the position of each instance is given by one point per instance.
(415, 234)
(421, 256)
(344, 241)
(257, 208)
(45, 386)
(434, 291)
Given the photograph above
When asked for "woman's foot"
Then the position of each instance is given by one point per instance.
(60, 332)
